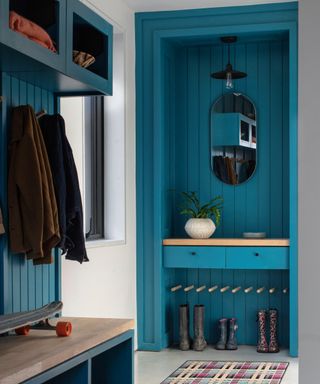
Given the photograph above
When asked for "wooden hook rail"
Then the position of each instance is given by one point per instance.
(189, 288)
(212, 289)
(200, 289)
(260, 290)
(176, 288)
(235, 290)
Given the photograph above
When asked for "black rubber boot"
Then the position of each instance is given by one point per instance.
(199, 343)
(273, 343)
(221, 344)
(184, 342)
(232, 343)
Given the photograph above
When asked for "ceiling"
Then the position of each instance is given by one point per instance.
(162, 5)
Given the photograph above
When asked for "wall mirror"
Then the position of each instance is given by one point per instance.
(233, 138)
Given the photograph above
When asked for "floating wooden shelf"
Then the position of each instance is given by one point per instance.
(229, 242)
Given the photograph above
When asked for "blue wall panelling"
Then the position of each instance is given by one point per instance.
(169, 148)
(25, 286)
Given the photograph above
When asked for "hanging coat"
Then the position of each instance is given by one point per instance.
(33, 214)
(2, 231)
(66, 183)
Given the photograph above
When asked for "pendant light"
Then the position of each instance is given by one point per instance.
(229, 74)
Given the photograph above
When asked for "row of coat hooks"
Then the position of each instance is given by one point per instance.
(226, 289)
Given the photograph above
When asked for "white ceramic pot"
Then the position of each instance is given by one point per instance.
(200, 228)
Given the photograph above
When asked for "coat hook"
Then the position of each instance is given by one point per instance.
(43, 112)
(235, 290)
(190, 288)
(285, 290)
(200, 289)
(260, 290)
(225, 289)
(272, 290)
(176, 288)
(212, 289)
(248, 290)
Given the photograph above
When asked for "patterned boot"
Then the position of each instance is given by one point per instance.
(262, 341)
(199, 343)
(273, 344)
(232, 344)
(184, 343)
(221, 344)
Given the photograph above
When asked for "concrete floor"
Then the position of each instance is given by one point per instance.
(154, 367)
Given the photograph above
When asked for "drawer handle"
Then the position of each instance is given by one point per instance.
(193, 253)
(257, 254)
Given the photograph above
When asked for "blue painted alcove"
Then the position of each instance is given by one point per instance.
(174, 96)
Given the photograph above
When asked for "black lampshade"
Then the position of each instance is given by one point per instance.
(222, 75)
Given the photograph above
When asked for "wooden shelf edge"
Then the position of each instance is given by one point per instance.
(228, 242)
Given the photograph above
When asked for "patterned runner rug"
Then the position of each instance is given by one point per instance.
(228, 372)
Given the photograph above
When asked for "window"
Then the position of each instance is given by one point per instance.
(95, 126)
(94, 167)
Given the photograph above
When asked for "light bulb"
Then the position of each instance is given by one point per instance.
(229, 82)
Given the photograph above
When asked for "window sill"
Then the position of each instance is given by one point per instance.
(103, 243)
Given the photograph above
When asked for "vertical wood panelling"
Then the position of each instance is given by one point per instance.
(240, 305)
(29, 286)
(260, 204)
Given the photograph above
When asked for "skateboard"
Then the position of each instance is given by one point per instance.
(23, 322)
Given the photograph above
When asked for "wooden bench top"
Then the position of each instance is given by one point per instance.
(228, 242)
(23, 357)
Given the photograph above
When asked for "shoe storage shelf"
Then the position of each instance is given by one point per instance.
(55, 71)
(98, 351)
(231, 281)
(231, 276)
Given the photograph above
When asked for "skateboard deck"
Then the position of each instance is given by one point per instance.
(22, 322)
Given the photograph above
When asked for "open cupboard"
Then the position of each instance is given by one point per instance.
(177, 52)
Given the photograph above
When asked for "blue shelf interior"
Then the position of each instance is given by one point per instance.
(87, 38)
(43, 13)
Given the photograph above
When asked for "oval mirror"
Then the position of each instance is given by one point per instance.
(233, 138)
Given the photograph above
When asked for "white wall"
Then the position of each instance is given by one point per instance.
(106, 286)
(309, 191)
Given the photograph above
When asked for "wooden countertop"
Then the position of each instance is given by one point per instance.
(23, 357)
(228, 242)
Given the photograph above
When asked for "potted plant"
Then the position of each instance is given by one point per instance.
(200, 224)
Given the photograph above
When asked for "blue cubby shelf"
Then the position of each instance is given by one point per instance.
(29, 48)
(56, 72)
(81, 20)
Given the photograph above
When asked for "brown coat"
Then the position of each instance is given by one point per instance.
(33, 215)
(2, 231)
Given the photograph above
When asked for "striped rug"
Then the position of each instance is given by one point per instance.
(228, 372)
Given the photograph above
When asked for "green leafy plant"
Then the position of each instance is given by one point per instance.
(194, 209)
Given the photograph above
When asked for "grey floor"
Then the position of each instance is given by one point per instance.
(154, 367)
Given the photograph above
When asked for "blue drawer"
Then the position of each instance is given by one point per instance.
(257, 258)
(194, 257)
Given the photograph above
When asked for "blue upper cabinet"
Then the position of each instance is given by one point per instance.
(43, 53)
(234, 129)
(42, 41)
(91, 36)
